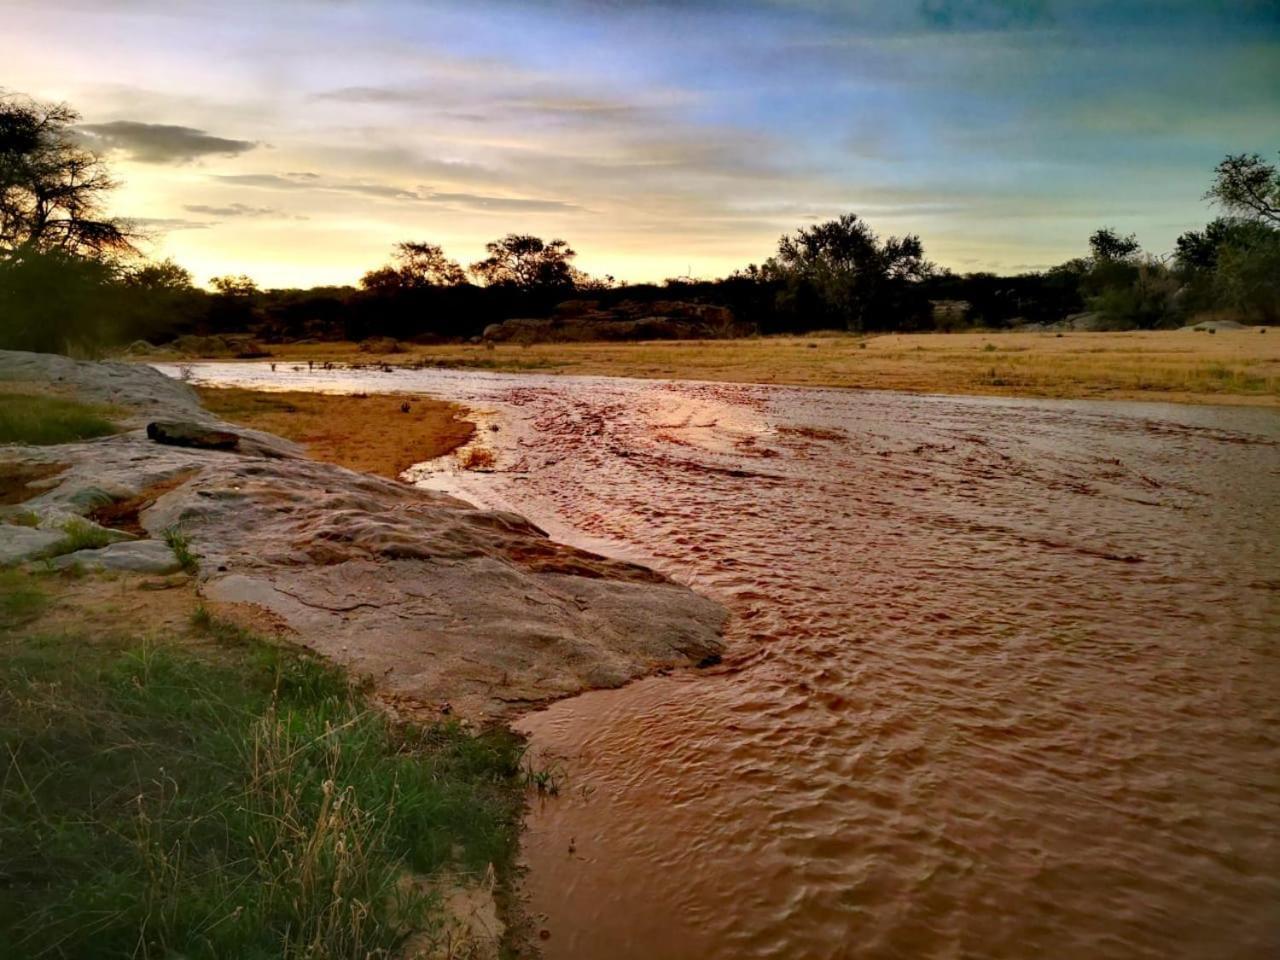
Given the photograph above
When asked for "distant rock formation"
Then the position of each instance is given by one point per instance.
(578, 320)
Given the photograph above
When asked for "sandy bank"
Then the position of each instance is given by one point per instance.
(447, 607)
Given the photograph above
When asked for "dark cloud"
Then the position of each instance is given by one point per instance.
(161, 142)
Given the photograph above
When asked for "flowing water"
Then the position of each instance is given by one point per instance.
(1002, 677)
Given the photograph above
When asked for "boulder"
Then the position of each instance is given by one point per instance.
(183, 433)
(133, 556)
(19, 544)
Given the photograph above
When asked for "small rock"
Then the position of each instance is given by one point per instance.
(181, 433)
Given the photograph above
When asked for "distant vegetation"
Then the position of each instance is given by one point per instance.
(71, 280)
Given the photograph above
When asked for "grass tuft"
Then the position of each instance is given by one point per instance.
(40, 419)
(81, 535)
(180, 544)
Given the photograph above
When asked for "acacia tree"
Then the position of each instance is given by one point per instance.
(1109, 246)
(843, 268)
(415, 266)
(1247, 186)
(51, 187)
(528, 263)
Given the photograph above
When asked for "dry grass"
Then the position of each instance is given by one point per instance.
(367, 433)
(477, 458)
(1241, 366)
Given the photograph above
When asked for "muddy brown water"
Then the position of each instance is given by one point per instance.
(1002, 677)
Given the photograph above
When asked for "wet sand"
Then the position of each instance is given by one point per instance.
(1002, 676)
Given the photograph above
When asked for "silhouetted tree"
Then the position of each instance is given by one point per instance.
(165, 275)
(1107, 245)
(844, 270)
(1198, 249)
(235, 285)
(51, 188)
(414, 266)
(528, 263)
(1247, 186)
(56, 302)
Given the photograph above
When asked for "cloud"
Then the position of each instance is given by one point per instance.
(477, 201)
(161, 142)
(985, 14)
(239, 210)
(382, 191)
(168, 224)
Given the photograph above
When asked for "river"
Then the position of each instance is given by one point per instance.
(1002, 677)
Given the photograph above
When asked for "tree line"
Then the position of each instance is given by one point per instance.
(72, 278)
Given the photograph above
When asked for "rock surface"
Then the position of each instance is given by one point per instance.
(20, 544)
(133, 556)
(438, 601)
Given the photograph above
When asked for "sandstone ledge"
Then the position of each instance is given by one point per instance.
(440, 603)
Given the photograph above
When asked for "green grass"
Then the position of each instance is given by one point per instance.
(19, 518)
(21, 600)
(38, 419)
(81, 535)
(160, 802)
(180, 544)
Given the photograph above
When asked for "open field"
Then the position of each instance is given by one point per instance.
(370, 433)
(1231, 366)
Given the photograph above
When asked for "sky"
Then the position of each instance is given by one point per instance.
(296, 142)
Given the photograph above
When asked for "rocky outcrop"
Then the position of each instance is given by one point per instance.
(439, 602)
(578, 320)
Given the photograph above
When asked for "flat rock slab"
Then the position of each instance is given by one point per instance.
(435, 600)
(20, 544)
(178, 433)
(133, 556)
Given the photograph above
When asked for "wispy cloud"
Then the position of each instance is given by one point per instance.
(385, 191)
(161, 142)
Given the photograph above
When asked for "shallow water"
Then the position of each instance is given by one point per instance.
(1002, 680)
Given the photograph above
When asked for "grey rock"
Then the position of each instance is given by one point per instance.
(20, 544)
(134, 556)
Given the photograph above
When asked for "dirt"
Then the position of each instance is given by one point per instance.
(383, 434)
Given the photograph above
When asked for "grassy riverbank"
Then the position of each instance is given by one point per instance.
(175, 784)
(184, 787)
(1231, 366)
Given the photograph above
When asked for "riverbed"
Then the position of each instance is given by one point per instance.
(1002, 678)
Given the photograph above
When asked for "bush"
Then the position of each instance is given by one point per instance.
(1248, 273)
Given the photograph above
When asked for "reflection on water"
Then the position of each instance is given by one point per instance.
(1003, 678)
